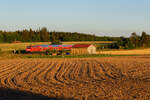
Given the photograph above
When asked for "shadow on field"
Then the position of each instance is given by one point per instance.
(9, 94)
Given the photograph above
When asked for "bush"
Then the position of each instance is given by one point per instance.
(48, 52)
(56, 42)
(19, 51)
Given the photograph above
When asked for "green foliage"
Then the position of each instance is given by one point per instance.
(129, 45)
(144, 39)
(56, 42)
(1, 38)
(43, 35)
(54, 51)
(134, 41)
(73, 56)
(49, 52)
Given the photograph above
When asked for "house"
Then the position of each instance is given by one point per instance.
(83, 49)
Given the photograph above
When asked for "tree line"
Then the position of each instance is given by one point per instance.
(43, 35)
(134, 41)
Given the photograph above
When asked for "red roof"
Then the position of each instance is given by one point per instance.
(81, 45)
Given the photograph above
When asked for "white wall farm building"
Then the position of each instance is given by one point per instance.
(83, 49)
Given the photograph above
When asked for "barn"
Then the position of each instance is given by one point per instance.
(77, 49)
(83, 49)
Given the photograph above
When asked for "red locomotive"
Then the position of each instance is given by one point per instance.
(44, 48)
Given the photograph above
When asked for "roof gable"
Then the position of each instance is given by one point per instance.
(81, 45)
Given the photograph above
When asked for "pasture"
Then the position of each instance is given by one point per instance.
(126, 52)
(113, 78)
(21, 46)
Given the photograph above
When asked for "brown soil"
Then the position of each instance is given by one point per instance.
(117, 78)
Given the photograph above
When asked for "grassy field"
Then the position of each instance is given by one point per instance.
(110, 78)
(17, 46)
(126, 52)
(6, 49)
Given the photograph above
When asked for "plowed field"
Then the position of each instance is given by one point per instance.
(117, 78)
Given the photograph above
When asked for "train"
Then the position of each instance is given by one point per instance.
(51, 49)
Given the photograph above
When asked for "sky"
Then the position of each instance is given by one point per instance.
(99, 17)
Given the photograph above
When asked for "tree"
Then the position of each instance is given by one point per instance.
(55, 38)
(31, 35)
(1, 38)
(25, 35)
(44, 35)
(143, 40)
(135, 40)
(129, 44)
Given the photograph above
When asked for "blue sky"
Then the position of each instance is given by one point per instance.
(100, 17)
